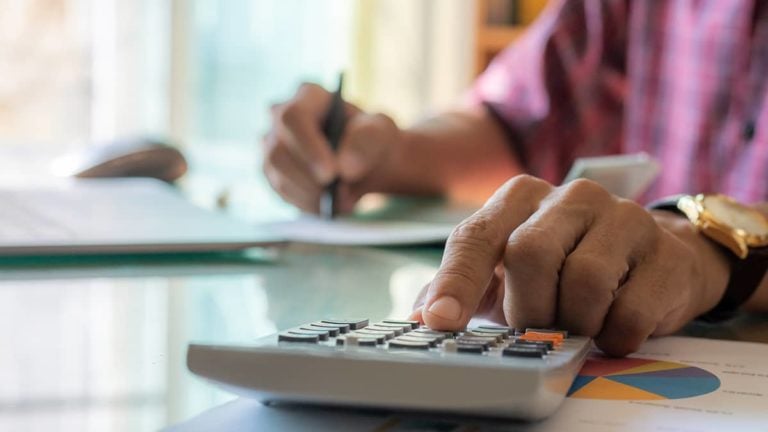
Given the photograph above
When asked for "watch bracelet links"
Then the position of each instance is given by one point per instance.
(745, 274)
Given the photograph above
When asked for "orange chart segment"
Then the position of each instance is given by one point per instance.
(640, 379)
(602, 388)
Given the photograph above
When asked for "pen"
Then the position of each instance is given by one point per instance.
(333, 127)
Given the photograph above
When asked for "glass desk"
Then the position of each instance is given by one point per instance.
(100, 344)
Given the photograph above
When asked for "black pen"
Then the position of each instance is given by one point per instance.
(333, 127)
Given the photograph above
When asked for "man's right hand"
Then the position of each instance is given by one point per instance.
(299, 162)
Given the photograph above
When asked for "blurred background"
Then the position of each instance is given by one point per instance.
(202, 74)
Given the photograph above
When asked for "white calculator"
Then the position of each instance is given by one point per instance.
(400, 365)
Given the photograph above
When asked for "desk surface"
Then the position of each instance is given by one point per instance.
(101, 345)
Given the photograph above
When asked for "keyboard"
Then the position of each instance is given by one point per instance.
(486, 370)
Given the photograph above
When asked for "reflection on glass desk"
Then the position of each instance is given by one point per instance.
(101, 345)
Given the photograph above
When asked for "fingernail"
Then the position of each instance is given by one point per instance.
(446, 308)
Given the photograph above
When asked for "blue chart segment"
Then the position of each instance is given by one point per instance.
(641, 379)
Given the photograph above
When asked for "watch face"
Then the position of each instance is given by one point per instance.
(736, 215)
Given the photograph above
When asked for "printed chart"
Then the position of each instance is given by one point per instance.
(640, 379)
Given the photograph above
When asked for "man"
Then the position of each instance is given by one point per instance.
(681, 80)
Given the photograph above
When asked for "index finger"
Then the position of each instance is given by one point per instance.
(473, 250)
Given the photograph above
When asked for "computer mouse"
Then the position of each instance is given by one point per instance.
(126, 157)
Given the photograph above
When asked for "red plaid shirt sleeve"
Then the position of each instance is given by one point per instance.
(560, 89)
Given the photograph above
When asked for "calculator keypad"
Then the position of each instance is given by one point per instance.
(410, 335)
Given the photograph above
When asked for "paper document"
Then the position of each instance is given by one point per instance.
(627, 176)
(673, 384)
(358, 232)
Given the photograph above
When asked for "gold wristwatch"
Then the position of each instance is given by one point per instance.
(742, 233)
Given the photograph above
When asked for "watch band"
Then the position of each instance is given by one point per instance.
(746, 274)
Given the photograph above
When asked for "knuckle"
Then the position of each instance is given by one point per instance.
(475, 232)
(290, 114)
(583, 190)
(531, 247)
(306, 87)
(526, 182)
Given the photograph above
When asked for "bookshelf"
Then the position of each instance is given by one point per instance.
(499, 22)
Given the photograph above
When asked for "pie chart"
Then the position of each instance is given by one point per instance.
(640, 379)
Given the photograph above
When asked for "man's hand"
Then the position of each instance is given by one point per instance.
(578, 258)
(299, 163)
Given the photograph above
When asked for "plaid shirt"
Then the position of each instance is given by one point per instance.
(683, 80)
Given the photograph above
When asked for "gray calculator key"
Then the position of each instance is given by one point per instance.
(472, 338)
(322, 335)
(396, 343)
(354, 324)
(430, 332)
(394, 330)
(497, 337)
(530, 343)
(413, 324)
(293, 337)
(332, 331)
(343, 328)
(361, 341)
(510, 330)
(440, 336)
(365, 334)
(515, 351)
(503, 334)
(470, 349)
(481, 343)
(419, 338)
(405, 328)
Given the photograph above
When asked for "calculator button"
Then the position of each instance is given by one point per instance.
(342, 328)
(549, 345)
(491, 341)
(413, 324)
(378, 337)
(500, 334)
(564, 333)
(509, 330)
(482, 343)
(417, 338)
(435, 333)
(293, 337)
(386, 333)
(405, 328)
(497, 337)
(440, 336)
(469, 349)
(555, 338)
(394, 330)
(359, 341)
(322, 335)
(397, 343)
(354, 324)
(332, 331)
(515, 351)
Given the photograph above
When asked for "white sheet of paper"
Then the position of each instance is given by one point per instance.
(739, 403)
(354, 232)
(627, 176)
